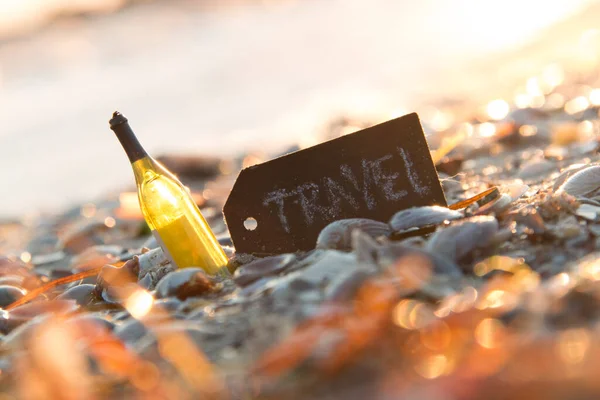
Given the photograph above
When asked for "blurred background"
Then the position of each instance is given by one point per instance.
(228, 77)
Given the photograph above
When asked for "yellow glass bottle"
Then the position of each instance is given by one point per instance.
(169, 209)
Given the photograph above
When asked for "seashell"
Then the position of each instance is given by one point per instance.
(255, 270)
(419, 217)
(515, 190)
(151, 260)
(566, 173)
(153, 266)
(184, 283)
(82, 294)
(338, 234)
(497, 206)
(588, 211)
(110, 280)
(461, 238)
(323, 267)
(582, 183)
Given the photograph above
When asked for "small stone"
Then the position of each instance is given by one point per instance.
(184, 283)
(82, 294)
(588, 212)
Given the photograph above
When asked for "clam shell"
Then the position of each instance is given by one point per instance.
(461, 238)
(582, 183)
(497, 206)
(152, 259)
(567, 173)
(588, 211)
(418, 217)
(338, 234)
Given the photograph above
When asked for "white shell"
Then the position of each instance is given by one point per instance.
(582, 183)
(418, 217)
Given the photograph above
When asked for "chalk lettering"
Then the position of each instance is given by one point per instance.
(368, 196)
(385, 181)
(278, 196)
(375, 178)
(308, 194)
(412, 174)
(336, 193)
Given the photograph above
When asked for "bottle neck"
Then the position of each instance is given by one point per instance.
(131, 145)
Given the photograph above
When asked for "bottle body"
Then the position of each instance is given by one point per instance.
(175, 220)
(168, 208)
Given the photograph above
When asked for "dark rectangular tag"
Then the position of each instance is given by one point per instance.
(372, 173)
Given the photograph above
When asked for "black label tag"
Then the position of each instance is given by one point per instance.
(372, 173)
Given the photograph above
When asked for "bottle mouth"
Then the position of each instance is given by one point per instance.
(117, 119)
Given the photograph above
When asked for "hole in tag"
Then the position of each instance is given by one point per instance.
(250, 224)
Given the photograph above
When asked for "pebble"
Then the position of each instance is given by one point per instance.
(588, 212)
(184, 283)
(82, 294)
